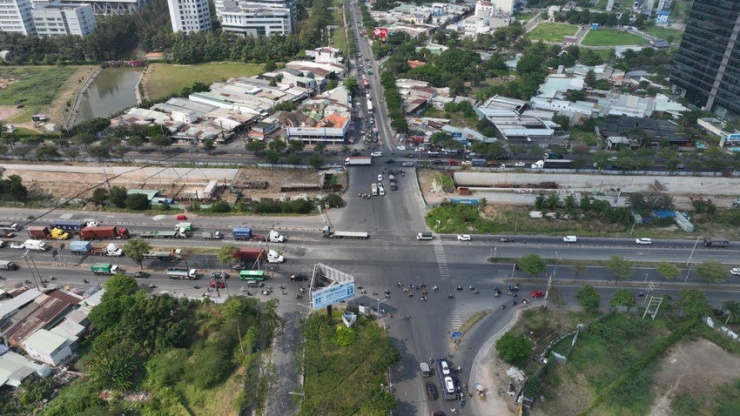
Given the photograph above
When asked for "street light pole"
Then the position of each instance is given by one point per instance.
(692, 251)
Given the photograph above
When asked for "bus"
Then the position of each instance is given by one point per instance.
(257, 275)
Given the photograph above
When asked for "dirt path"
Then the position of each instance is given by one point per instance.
(68, 93)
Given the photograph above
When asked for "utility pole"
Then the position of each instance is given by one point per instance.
(547, 291)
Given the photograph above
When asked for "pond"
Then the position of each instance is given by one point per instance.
(113, 90)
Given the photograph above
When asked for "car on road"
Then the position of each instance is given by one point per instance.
(298, 277)
(376, 154)
(390, 161)
(380, 178)
(219, 275)
(735, 271)
(400, 147)
(506, 240)
(537, 294)
(519, 164)
(445, 367)
(141, 275)
(645, 241)
(239, 266)
(218, 284)
(570, 239)
(438, 162)
(449, 385)
(408, 164)
(19, 246)
(409, 155)
(463, 237)
(431, 390)
(181, 217)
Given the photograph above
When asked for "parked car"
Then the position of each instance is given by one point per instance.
(218, 284)
(141, 275)
(401, 148)
(537, 294)
(19, 246)
(507, 240)
(463, 237)
(380, 178)
(181, 217)
(298, 277)
(219, 275)
(645, 241)
(238, 266)
(519, 164)
(390, 161)
(431, 390)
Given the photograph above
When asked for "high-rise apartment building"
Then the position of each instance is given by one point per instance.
(189, 15)
(63, 19)
(707, 67)
(15, 16)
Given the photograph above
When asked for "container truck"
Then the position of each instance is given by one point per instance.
(39, 232)
(180, 233)
(82, 248)
(553, 164)
(358, 160)
(8, 265)
(328, 232)
(182, 273)
(716, 242)
(481, 163)
(35, 245)
(9, 226)
(164, 254)
(211, 235)
(105, 269)
(253, 254)
(69, 225)
(188, 226)
(104, 232)
(246, 234)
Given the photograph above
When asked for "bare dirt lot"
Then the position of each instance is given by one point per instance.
(695, 368)
(68, 181)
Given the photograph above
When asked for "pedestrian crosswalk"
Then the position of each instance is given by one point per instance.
(439, 253)
(456, 321)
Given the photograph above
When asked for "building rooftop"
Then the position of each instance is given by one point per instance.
(45, 342)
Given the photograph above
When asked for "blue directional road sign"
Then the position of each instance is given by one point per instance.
(456, 335)
(333, 294)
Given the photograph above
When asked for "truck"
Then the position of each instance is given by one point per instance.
(553, 164)
(164, 254)
(212, 235)
(69, 225)
(82, 248)
(358, 160)
(374, 189)
(35, 245)
(9, 226)
(39, 232)
(8, 265)
(188, 226)
(328, 232)
(246, 234)
(479, 163)
(716, 242)
(253, 254)
(104, 232)
(180, 233)
(104, 269)
(182, 273)
(549, 155)
(369, 106)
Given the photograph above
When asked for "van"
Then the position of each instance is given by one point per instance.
(8, 265)
(570, 239)
(425, 236)
(35, 245)
(254, 283)
(425, 370)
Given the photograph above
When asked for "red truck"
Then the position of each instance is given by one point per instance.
(251, 254)
(104, 232)
(38, 232)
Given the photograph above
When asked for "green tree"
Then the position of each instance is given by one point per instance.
(668, 270)
(161, 141)
(621, 267)
(589, 298)
(514, 349)
(137, 202)
(732, 308)
(296, 146)
(255, 146)
(99, 196)
(84, 139)
(712, 271)
(694, 303)
(334, 200)
(112, 362)
(70, 153)
(118, 196)
(532, 264)
(590, 78)
(47, 152)
(272, 156)
(316, 161)
(319, 148)
(277, 145)
(352, 85)
(294, 159)
(100, 152)
(208, 145)
(135, 249)
(227, 253)
(135, 141)
(623, 297)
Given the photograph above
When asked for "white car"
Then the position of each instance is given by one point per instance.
(376, 154)
(645, 241)
(519, 164)
(463, 237)
(401, 148)
(735, 271)
(20, 246)
(570, 239)
(380, 178)
(445, 367)
(449, 385)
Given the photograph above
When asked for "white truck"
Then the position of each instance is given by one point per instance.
(374, 189)
(328, 232)
(358, 160)
(182, 273)
(369, 106)
(212, 235)
(8, 265)
(35, 245)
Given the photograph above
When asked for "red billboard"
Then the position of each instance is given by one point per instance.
(380, 33)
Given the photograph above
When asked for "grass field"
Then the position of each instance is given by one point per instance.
(664, 33)
(32, 86)
(611, 37)
(552, 32)
(161, 80)
(524, 17)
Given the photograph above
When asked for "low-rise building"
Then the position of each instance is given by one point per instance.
(47, 347)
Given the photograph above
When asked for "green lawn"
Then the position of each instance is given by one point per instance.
(611, 37)
(552, 32)
(664, 33)
(524, 17)
(164, 79)
(32, 86)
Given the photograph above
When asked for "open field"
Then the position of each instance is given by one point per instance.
(524, 17)
(611, 37)
(161, 79)
(37, 88)
(552, 32)
(664, 32)
(338, 36)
